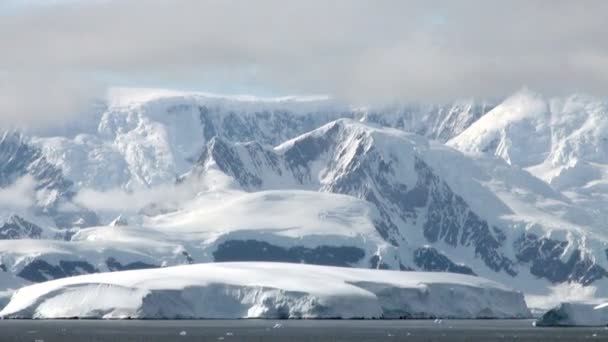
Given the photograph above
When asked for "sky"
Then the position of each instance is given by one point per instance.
(59, 55)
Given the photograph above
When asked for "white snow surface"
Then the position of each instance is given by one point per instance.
(266, 290)
(319, 217)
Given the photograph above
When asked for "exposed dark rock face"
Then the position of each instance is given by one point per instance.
(188, 257)
(545, 257)
(226, 155)
(115, 265)
(376, 263)
(18, 228)
(253, 250)
(449, 218)
(430, 259)
(40, 270)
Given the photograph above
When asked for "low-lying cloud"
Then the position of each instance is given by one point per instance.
(44, 98)
(363, 51)
(164, 196)
(19, 195)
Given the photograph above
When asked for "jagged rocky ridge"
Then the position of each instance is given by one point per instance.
(17, 227)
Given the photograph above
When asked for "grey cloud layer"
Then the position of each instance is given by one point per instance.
(361, 50)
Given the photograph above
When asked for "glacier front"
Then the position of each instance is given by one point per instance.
(266, 290)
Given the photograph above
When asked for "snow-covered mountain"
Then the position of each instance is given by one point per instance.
(37, 187)
(427, 194)
(139, 139)
(151, 179)
(562, 141)
(147, 138)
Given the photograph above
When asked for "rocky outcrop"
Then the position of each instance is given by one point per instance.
(18, 228)
(546, 259)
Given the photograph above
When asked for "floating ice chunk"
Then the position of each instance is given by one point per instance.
(575, 314)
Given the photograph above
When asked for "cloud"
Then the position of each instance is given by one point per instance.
(167, 196)
(363, 51)
(44, 98)
(19, 195)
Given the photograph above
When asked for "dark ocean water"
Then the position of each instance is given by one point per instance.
(293, 330)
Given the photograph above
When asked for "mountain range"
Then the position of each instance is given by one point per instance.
(513, 190)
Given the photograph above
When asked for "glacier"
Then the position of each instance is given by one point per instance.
(266, 290)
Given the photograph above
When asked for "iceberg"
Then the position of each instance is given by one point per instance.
(576, 314)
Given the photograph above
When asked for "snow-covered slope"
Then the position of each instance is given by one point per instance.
(562, 141)
(518, 130)
(266, 290)
(287, 225)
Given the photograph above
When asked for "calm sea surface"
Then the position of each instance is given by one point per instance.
(293, 330)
